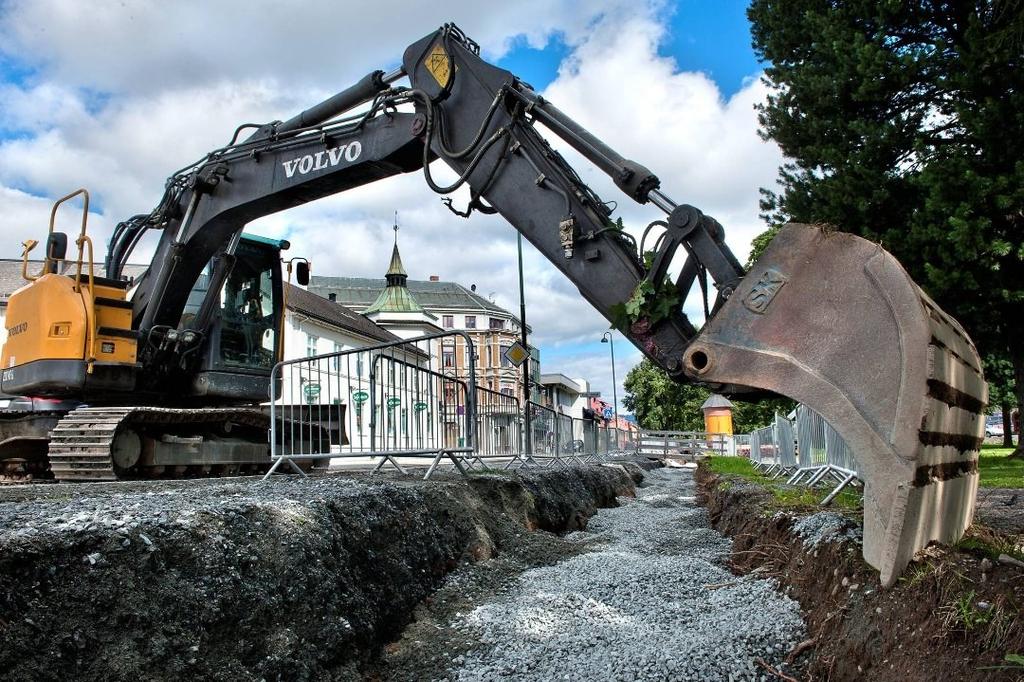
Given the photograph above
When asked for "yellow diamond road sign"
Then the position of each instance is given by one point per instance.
(517, 354)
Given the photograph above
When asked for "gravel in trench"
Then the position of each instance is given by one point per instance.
(652, 599)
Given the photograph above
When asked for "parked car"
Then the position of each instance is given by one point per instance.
(993, 429)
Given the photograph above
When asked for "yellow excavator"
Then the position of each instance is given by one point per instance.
(168, 379)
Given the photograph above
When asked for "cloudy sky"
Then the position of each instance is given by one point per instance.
(115, 96)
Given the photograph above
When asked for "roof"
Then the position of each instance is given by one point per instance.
(560, 379)
(11, 279)
(359, 292)
(395, 267)
(329, 312)
(395, 297)
(716, 400)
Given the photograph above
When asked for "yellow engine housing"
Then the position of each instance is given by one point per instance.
(64, 339)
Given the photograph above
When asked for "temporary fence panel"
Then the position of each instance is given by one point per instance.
(762, 446)
(819, 444)
(741, 444)
(499, 419)
(543, 430)
(785, 442)
(810, 438)
(389, 399)
(662, 443)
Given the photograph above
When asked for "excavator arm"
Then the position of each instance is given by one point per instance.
(823, 317)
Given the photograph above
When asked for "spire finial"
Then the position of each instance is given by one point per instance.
(395, 228)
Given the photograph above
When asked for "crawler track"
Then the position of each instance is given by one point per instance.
(81, 445)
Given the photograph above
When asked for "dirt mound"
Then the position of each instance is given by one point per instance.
(238, 580)
(954, 613)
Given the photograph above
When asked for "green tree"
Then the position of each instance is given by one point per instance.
(902, 121)
(1001, 392)
(660, 403)
(760, 243)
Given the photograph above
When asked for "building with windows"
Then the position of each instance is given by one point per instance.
(565, 395)
(399, 304)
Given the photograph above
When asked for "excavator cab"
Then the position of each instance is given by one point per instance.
(243, 338)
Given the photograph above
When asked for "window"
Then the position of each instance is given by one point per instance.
(497, 323)
(359, 365)
(248, 330)
(311, 345)
(470, 321)
(448, 357)
(337, 358)
(505, 362)
(507, 390)
(448, 321)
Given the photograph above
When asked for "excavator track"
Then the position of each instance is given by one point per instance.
(23, 445)
(82, 445)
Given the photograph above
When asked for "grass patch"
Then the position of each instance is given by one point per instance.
(790, 496)
(985, 542)
(996, 471)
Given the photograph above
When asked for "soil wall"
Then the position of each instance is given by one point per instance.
(954, 613)
(292, 580)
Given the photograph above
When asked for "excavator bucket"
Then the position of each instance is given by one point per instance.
(833, 321)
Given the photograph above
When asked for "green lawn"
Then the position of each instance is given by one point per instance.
(997, 471)
(785, 495)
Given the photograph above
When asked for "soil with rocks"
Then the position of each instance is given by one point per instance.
(242, 580)
(1001, 509)
(954, 614)
(644, 592)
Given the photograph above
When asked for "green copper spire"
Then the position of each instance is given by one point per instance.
(396, 297)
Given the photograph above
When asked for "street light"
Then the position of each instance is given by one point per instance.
(608, 338)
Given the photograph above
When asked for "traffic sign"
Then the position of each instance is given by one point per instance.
(608, 413)
(419, 407)
(517, 354)
(311, 390)
(394, 402)
(360, 397)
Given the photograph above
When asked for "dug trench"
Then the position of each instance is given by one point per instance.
(955, 614)
(293, 579)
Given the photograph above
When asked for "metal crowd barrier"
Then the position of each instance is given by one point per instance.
(383, 401)
(558, 439)
(809, 451)
(401, 400)
(823, 454)
(499, 426)
(664, 443)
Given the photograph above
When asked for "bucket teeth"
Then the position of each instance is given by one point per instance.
(833, 321)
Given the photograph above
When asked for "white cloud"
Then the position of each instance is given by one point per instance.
(182, 77)
(144, 46)
(25, 216)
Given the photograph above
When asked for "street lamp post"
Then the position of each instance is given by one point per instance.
(527, 435)
(610, 340)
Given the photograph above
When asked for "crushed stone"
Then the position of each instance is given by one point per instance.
(827, 527)
(651, 599)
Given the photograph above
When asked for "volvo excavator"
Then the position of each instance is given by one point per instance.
(170, 378)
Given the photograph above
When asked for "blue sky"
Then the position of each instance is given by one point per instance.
(104, 96)
(710, 36)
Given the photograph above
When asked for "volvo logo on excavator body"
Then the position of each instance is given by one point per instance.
(328, 158)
